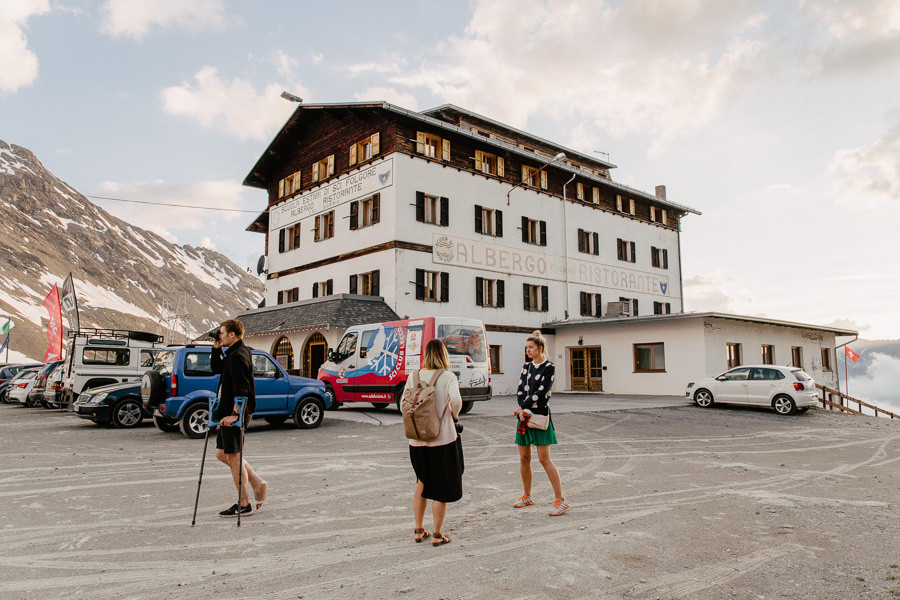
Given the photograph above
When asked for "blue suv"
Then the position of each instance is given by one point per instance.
(177, 389)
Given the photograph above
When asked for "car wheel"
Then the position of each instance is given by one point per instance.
(704, 398)
(381, 405)
(784, 405)
(398, 396)
(467, 405)
(127, 414)
(195, 420)
(803, 410)
(275, 420)
(334, 404)
(165, 424)
(309, 413)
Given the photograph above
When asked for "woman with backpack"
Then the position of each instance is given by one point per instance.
(535, 427)
(438, 462)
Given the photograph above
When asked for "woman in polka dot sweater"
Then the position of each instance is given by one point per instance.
(533, 396)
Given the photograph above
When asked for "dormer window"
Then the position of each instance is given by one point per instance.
(489, 163)
(432, 146)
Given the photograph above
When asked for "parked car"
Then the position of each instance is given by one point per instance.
(37, 392)
(179, 386)
(786, 389)
(20, 385)
(52, 397)
(119, 404)
(7, 372)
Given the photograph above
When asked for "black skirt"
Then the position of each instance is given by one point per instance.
(440, 469)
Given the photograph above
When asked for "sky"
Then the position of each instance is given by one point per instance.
(778, 120)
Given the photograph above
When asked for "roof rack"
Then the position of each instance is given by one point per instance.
(117, 334)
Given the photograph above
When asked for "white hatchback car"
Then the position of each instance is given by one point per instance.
(20, 386)
(786, 389)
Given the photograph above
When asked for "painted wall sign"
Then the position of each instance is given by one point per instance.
(461, 252)
(354, 186)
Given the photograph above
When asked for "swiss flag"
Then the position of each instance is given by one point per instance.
(851, 354)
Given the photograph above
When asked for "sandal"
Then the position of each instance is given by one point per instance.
(259, 494)
(421, 534)
(440, 539)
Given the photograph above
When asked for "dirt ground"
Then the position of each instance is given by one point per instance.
(674, 502)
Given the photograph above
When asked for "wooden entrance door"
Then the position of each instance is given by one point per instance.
(314, 355)
(586, 368)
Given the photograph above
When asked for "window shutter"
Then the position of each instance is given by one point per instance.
(353, 154)
(543, 180)
(317, 228)
(281, 240)
(653, 213)
(445, 149)
(479, 291)
(479, 223)
(281, 189)
(354, 215)
(631, 206)
(315, 171)
(526, 297)
(498, 223)
(500, 169)
(376, 208)
(445, 211)
(376, 143)
(619, 203)
(633, 256)
(479, 161)
(654, 257)
(579, 190)
(665, 257)
(420, 284)
(596, 196)
(330, 165)
(596, 248)
(525, 229)
(501, 299)
(525, 176)
(619, 249)
(445, 287)
(665, 219)
(545, 298)
(420, 142)
(581, 241)
(420, 207)
(543, 233)
(598, 306)
(315, 292)
(375, 278)
(329, 287)
(584, 305)
(353, 283)
(280, 297)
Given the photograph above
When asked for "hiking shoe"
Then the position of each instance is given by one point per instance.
(524, 501)
(233, 511)
(559, 507)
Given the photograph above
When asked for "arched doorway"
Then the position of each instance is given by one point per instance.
(284, 353)
(314, 354)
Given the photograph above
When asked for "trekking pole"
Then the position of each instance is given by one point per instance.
(240, 424)
(203, 461)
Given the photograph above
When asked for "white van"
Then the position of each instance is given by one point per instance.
(372, 362)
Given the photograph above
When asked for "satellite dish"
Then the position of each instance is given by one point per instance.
(261, 265)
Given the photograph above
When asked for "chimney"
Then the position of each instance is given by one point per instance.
(661, 192)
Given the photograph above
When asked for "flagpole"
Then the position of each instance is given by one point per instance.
(846, 379)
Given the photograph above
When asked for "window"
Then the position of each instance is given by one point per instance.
(289, 185)
(768, 354)
(579, 190)
(289, 238)
(263, 367)
(659, 257)
(366, 149)
(826, 359)
(488, 163)
(588, 242)
(733, 352)
(625, 250)
(625, 205)
(489, 292)
(323, 169)
(324, 227)
(323, 288)
(766, 374)
(650, 358)
(797, 356)
(742, 374)
(488, 221)
(366, 284)
(432, 146)
(433, 286)
(530, 177)
(106, 356)
(662, 308)
(534, 232)
(432, 209)
(634, 304)
(658, 215)
(595, 198)
(365, 212)
(591, 305)
(494, 354)
(347, 347)
(196, 364)
(535, 297)
(147, 357)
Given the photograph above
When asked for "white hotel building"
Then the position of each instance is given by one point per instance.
(377, 211)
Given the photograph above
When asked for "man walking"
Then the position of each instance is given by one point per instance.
(235, 365)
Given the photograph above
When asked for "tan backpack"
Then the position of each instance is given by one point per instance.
(420, 417)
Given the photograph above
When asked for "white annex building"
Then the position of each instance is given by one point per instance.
(376, 212)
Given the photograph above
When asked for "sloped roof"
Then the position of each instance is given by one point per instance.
(339, 310)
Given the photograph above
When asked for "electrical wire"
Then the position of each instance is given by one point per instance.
(174, 205)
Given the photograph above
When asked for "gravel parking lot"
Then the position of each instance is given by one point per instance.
(668, 501)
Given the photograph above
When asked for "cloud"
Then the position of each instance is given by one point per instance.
(870, 173)
(19, 66)
(207, 243)
(850, 324)
(135, 18)
(389, 94)
(707, 293)
(880, 383)
(232, 106)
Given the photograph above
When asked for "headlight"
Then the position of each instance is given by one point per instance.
(97, 399)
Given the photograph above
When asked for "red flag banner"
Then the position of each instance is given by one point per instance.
(851, 354)
(55, 326)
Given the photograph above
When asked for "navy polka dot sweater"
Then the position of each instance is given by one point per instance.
(534, 386)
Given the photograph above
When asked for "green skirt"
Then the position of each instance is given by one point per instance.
(537, 437)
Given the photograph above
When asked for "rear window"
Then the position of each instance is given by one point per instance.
(802, 376)
(196, 364)
(106, 356)
(463, 340)
(164, 362)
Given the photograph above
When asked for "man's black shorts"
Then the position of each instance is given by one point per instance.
(229, 439)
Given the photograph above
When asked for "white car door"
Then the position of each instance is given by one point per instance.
(731, 386)
(761, 386)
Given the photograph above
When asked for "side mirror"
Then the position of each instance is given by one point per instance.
(330, 355)
(362, 352)
(720, 378)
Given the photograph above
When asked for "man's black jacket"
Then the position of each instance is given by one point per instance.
(236, 369)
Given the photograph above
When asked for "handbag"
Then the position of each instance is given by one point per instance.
(536, 421)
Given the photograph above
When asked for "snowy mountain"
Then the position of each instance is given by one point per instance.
(125, 277)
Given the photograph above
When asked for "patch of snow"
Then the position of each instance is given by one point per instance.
(97, 296)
